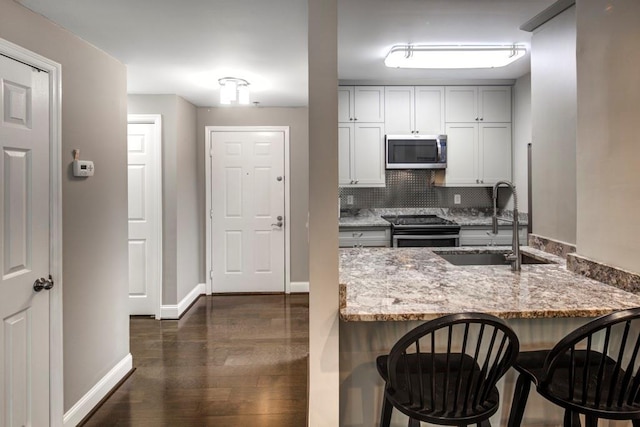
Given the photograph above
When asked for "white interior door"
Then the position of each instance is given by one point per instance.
(145, 232)
(248, 224)
(24, 248)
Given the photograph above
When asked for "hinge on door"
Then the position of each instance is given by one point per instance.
(210, 274)
(211, 214)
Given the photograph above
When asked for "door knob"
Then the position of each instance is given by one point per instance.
(278, 224)
(43, 283)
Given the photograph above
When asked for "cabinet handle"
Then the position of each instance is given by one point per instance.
(357, 181)
(476, 119)
(417, 131)
(350, 118)
(481, 118)
(477, 181)
(355, 118)
(413, 131)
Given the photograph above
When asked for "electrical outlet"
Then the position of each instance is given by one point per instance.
(456, 199)
(350, 199)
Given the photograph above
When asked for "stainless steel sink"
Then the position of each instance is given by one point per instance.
(492, 258)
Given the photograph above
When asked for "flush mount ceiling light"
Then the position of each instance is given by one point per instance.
(453, 56)
(233, 89)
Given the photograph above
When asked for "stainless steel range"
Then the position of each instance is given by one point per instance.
(422, 231)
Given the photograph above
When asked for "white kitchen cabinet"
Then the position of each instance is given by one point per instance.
(414, 109)
(480, 235)
(478, 153)
(361, 155)
(361, 104)
(355, 237)
(471, 104)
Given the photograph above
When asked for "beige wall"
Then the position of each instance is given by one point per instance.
(521, 137)
(553, 104)
(324, 395)
(298, 122)
(95, 260)
(180, 233)
(608, 145)
(188, 216)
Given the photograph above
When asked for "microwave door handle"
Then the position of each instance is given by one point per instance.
(439, 146)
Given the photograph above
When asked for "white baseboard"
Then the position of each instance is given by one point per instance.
(89, 401)
(174, 311)
(301, 287)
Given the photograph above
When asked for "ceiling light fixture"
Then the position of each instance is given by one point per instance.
(453, 56)
(233, 89)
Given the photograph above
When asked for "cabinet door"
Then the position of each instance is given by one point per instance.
(462, 154)
(429, 108)
(368, 154)
(369, 104)
(345, 103)
(345, 153)
(495, 104)
(495, 152)
(461, 104)
(399, 110)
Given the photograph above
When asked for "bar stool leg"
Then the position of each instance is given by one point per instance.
(519, 402)
(385, 416)
(571, 419)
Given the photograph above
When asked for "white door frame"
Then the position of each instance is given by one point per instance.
(156, 121)
(287, 194)
(56, 378)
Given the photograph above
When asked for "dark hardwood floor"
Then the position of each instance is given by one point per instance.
(230, 361)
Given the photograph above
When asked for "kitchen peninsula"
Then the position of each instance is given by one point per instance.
(384, 292)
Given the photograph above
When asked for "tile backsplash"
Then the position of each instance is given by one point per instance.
(415, 189)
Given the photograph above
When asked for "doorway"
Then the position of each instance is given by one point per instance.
(247, 205)
(144, 154)
(31, 382)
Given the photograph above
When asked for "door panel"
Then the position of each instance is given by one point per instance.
(345, 154)
(144, 218)
(462, 153)
(247, 199)
(24, 254)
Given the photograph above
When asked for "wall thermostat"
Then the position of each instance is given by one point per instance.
(83, 168)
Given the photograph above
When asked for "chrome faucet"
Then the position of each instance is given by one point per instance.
(514, 257)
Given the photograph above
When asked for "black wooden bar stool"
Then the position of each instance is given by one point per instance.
(594, 371)
(445, 371)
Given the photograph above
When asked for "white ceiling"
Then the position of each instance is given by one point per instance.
(183, 47)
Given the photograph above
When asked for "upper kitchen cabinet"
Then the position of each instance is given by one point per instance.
(479, 154)
(414, 109)
(361, 155)
(469, 104)
(361, 104)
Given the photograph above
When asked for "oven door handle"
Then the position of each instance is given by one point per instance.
(423, 237)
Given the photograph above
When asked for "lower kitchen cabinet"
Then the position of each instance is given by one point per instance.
(479, 235)
(355, 237)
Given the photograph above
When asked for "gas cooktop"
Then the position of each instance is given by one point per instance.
(418, 221)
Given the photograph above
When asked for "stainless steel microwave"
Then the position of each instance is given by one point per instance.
(416, 151)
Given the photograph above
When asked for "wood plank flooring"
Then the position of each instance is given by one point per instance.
(230, 361)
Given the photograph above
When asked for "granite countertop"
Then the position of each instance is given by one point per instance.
(364, 218)
(463, 216)
(416, 284)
